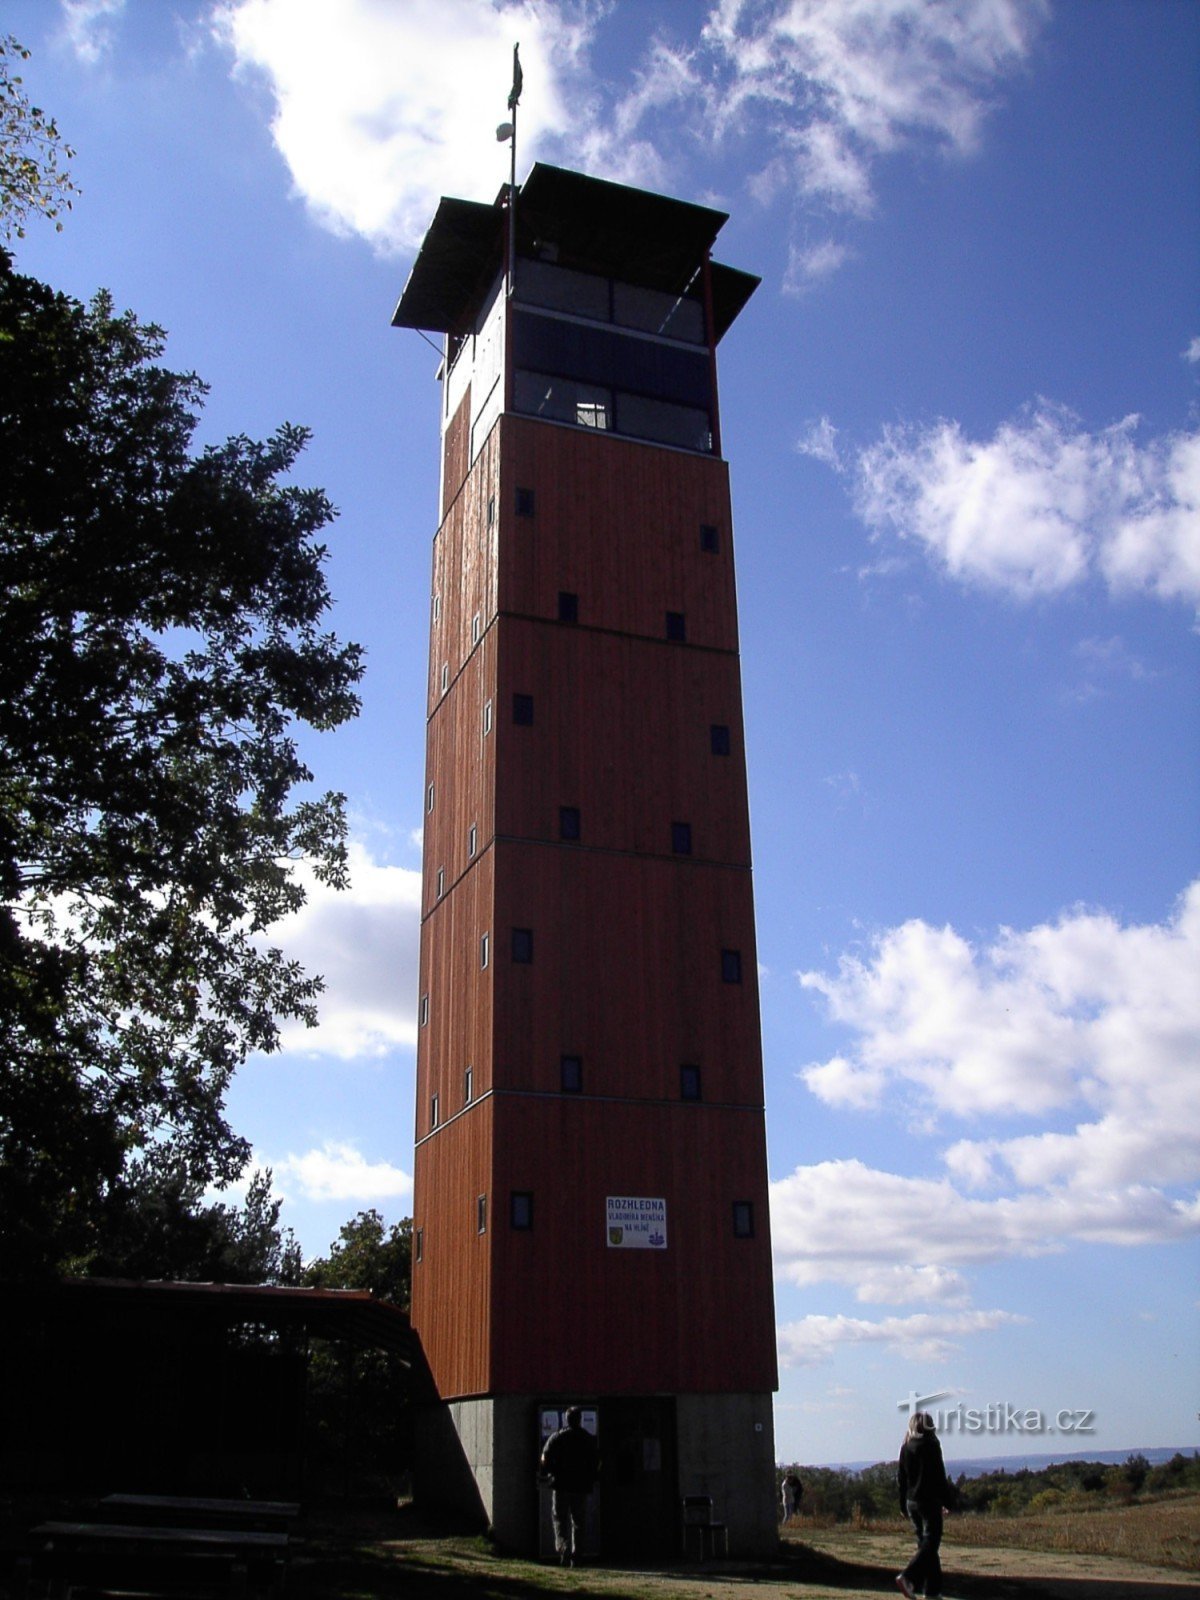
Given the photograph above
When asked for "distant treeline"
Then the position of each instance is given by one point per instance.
(841, 1495)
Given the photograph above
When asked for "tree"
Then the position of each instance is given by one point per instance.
(360, 1400)
(368, 1255)
(161, 1228)
(160, 614)
(31, 178)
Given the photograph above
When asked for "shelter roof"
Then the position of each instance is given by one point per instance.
(350, 1314)
(582, 222)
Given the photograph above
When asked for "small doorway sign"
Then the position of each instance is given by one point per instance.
(635, 1224)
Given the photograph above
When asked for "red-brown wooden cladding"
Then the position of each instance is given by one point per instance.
(572, 1314)
(464, 571)
(452, 1281)
(456, 997)
(460, 770)
(456, 446)
(621, 730)
(617, 523)
(627, 935)
(626, 973)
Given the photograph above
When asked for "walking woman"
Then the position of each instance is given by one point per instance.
(924, 1493)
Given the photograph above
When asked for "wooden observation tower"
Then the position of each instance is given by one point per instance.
(590, 1213)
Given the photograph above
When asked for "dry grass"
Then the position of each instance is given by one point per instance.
(1160, 1533)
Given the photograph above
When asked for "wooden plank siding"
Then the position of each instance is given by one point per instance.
(452, 1283)
(617, 523)
(460, 774)
(456, 996)
(627, 931)
(572, 1314)
(621, 731)
(464, 572)
(626, 974)
(456, 446)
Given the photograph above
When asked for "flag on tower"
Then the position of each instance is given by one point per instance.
(518, 80)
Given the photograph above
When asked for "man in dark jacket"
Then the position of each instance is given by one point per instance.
(572, 1460)
(924, 1493)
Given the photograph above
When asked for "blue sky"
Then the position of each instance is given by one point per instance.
(961, 417)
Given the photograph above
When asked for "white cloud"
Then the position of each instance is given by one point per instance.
(1083, 1016)
(382, 109)
(381, 113)
(1085, 1027)
(1043, 505)
(89, 25)
(819, 440)
(364, 940)
(338, 1171)
(1111, 658)
(1192, 353)
(890, 1237)
(840, 83)
(925, 1336)
(809, 265)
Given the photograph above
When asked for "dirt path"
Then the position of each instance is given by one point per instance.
(837, 1566)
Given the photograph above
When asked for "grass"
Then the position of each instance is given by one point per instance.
(1162, 1532)
(380, 1557)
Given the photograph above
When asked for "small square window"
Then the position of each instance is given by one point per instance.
(689, 1083)
(521, 1210)
(681, 838)
(419, 1245)
(676, 626)
(484, 950)
(719, 738)
(476, 628)
(445, 676)
(481, 1214)
(571, 1074)
(710, 538)
(743, 1219)
(568, 606)
(434, 1117)
(424, 1010)
(523, 710)
(441, 882)
(731, 966)
(468, 1086)
(522, 945)
(472, 841)
(487, 718)
(568, 822)
(524, 502)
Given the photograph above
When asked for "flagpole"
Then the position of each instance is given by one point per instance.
(514, 98)
(512, 205)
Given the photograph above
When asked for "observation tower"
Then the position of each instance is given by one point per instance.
(590, 1209)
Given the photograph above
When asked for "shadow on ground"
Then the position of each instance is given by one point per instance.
(410, 1561)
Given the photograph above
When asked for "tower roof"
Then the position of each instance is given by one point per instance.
(582, 222)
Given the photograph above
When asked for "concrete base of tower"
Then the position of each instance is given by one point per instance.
(477, 1459)
(726, 1449)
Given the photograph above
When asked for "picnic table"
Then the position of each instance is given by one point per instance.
(70, 1551)
(192, 1510)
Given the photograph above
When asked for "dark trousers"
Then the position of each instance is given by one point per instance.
(569, 1511)
(924, 1571)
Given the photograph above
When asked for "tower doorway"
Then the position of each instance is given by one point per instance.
(639, 1477)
